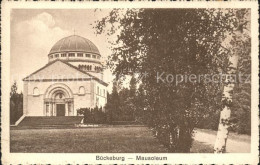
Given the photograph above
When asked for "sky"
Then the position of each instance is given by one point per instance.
(34, 32)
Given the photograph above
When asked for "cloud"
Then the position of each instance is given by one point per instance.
(32, 37)
(40, 31)
(31, 42)
(46, 18)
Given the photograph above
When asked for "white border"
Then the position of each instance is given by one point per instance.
(73, 158)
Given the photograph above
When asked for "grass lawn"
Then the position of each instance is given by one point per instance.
(91, 140)
(86, 140)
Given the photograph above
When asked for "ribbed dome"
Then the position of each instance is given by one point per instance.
(74, 43)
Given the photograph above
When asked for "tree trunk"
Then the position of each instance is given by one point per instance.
(223, 129)
(242, 34)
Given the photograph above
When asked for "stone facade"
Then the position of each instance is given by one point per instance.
(60, 88)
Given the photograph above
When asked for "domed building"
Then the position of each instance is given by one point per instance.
(72, 79)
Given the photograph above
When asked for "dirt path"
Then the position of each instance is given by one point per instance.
(235, 143)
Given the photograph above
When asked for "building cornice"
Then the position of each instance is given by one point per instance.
(81, 60)
(73, 52)
(67, 79)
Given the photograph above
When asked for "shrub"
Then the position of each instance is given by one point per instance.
(93, 115)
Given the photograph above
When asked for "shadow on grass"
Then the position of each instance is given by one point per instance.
(200, 147)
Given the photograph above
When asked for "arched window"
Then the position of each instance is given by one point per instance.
(81, 90)
(36, 91)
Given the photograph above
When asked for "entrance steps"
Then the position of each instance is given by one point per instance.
(49, 122)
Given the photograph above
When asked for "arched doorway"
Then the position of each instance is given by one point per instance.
(58, 101)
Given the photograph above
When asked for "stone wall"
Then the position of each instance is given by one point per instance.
(34, 103)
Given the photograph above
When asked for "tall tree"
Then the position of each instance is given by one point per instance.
(13, 89)
(240, 39)
(132, 87)
(140, 103)
(125, 108)
(190, 43)
(131, 102)
(113, 104)
(16, 104)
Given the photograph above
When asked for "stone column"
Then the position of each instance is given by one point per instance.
(45, 109)
(49, 110)
(66, 109)
(54, 110)
(72, 109)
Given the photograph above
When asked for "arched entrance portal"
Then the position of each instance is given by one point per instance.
(58, 101)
